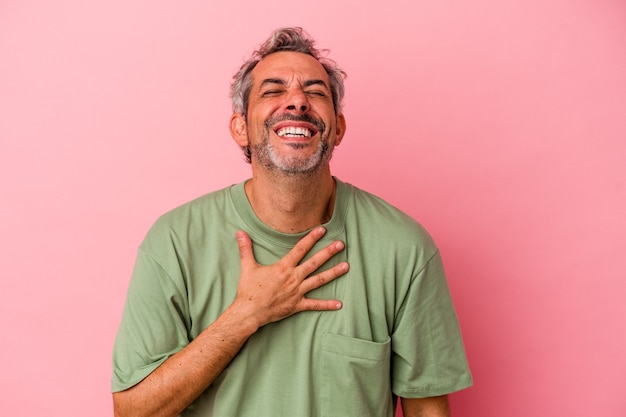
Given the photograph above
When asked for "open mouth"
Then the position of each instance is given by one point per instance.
(294, 132)
(297, 127)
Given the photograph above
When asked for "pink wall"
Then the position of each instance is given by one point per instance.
(500, 125)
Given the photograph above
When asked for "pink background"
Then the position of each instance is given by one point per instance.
(500, 125)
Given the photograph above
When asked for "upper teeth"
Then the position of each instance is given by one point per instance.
(294, 131)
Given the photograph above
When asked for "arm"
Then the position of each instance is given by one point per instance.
(184, 376)
(265, 294)
(426, 407)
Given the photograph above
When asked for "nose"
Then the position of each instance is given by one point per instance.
(298, 102)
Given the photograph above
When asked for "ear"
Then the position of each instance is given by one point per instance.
(340, 129)
(238, 129)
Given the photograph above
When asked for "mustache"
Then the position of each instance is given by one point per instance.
(307, 118)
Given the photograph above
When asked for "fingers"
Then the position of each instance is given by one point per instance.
(325, 277)
(299, 251)
(296, 254)
(319, 280)
(309, 304)
(293, 257)
(320, 258)
(245, 248)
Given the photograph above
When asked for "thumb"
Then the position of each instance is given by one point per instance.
(246, 254)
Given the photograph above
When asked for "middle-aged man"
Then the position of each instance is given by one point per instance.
(292, 293)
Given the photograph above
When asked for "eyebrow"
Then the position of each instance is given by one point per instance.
(309, 83)
(272, 81)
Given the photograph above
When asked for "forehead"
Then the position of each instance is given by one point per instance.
(288, 66)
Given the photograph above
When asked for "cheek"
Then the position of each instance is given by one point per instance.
(257, 131)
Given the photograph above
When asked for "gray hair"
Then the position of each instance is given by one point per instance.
(285, 39)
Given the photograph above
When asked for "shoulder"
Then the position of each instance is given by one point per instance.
(386, 220)
(189, 218)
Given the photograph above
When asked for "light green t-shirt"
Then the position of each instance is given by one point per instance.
(397, 333)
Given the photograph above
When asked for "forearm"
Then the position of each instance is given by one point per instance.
(184, 376)
(426, 407)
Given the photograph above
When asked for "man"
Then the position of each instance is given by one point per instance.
(332, 304)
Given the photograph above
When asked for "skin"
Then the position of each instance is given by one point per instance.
(291, 190)
(294, 84)
(426, 407)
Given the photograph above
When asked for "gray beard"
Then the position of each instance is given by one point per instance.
(266, 156)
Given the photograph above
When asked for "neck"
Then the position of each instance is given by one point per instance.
(292, 203)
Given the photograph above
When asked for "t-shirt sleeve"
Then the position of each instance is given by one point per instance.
(153, 325)
(428, 357)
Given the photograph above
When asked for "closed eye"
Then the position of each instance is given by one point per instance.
(270, 93)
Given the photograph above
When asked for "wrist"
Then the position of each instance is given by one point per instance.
(242, 316)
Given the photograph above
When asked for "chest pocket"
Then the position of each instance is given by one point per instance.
(356, 377)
